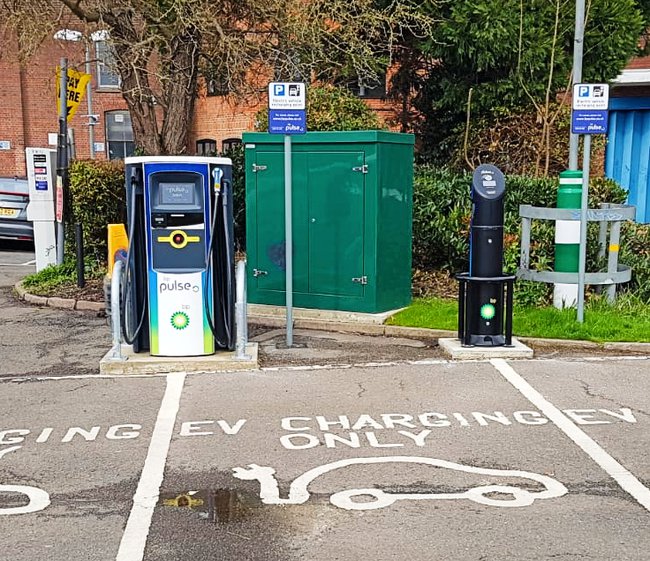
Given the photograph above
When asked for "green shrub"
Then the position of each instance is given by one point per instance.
(635, 252)
(236, 154)
(98, 198)
(55, 276)
(330, 108)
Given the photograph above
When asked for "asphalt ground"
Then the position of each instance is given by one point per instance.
(422, 459)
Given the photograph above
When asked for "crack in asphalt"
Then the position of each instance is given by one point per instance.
(589, 392)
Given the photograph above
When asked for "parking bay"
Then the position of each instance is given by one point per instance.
(408, 461)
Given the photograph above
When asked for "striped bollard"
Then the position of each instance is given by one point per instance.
(567, 238)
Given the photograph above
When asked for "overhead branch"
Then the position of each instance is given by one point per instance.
(75, 7)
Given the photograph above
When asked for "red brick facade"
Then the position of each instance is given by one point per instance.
(28, 112)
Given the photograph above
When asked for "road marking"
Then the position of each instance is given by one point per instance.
(483, 494)
(620, 474)
(146, 496)
(37, 498)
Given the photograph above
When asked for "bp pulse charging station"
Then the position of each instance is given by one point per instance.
(485, 294)
(177, 298)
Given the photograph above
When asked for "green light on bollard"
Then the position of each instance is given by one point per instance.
(488, 311)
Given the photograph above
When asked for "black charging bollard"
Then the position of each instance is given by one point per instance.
(485, 294)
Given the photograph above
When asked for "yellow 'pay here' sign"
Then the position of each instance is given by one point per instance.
(76, 86)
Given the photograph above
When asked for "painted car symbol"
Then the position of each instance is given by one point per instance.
(483, 494)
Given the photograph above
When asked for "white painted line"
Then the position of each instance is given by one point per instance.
(146, 496)
(620, 474)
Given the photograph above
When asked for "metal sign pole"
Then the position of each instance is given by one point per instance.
(62, 159)
(582, 264)
(288, 253)
(578, 47)
(89, 99)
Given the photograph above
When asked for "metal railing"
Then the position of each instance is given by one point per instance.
(116, 282)
(609, 216)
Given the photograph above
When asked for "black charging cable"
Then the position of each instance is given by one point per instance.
(219, 252)
(127, 278)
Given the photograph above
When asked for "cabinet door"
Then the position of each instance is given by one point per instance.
(270, 224)
(336, 209)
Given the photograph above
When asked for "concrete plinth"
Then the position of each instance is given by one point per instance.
(144, 363)
(455, 350)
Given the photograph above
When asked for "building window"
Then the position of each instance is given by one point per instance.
(230, 143)
(106, 75)
(216, 80)
(206, 147)
(357, 87)
(119, 135)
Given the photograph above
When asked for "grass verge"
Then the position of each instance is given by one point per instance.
(627, 320)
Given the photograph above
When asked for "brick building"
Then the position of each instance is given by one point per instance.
(28, 110)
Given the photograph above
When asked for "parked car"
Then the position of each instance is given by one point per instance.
(14, 196)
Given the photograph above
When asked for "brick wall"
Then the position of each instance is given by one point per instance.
(28, 111)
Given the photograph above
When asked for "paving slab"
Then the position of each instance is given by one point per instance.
(455, 350)
(144, 363)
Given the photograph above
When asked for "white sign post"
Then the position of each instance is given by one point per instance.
(589, 116)
(287, 101)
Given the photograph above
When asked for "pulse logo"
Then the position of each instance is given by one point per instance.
(176, 286)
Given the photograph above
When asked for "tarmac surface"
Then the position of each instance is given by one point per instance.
(347, 447)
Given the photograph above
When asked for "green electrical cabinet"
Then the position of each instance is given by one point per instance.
(351, 219)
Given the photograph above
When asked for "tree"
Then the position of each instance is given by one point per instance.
(162, 47)
(501, 57)
(331, 108)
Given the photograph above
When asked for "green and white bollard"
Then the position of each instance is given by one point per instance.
(567, 238)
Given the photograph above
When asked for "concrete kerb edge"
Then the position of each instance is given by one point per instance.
(56, 302)
(358, 327)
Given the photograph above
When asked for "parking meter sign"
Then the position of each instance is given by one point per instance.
(287, 95)
(589, 106)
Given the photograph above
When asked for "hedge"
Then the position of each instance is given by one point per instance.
(442, 213)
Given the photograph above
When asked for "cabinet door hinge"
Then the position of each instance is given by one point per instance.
(360, 280)
(257, 168)
(362, 169)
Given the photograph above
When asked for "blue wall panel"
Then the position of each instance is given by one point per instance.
(628, 151)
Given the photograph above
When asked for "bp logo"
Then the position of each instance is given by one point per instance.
(180, 320)
(488, 311)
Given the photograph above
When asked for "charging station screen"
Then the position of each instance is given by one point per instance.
(176, 193)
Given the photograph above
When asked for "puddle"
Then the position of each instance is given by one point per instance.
(219, 506)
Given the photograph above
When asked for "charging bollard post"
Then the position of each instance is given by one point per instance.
(485, 294)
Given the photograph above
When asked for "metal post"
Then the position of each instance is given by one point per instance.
(509, 305)
(578, 47)
(89, 99)
(612, 257)
(115, 311)
(288, 252)
(79, 243)
(461, 310)
(602, 241)
(241, 324)
(62, 154)
(524, 253)
(583, 228)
